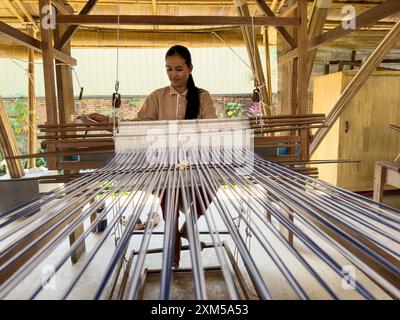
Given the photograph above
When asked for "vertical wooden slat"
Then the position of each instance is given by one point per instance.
(48, 68)
(268, 65)
(286, 233)
(315, 28)
(254, 55)
(32, 145)
(379, 182)
(302, 83)
(285, 72)
(65, 93)
(76, 254)
(49, 80)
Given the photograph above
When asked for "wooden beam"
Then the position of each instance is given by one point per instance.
(268, 71)
(32, 43)
(379, 182)
(49, 80)
(62, 7)
(273, 5)
(365, 19)
(302, 83)
(282, 30)
(21, 6)
(254, 57)
(52, 154)
(286, 72)
(176, 20)
(154, 7)
(65, 91)
(48, 70)
(72, 29)
(281, 4)
(32, 136)
(368, 67)
(14, 11)
(293, 77)
(289, 11)
(73, 237)
(77, 165)
(315, 28)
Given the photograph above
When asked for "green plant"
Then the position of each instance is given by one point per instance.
(19, 118)
(135, 102)
(18, 113)
(2, 165)
(234, 110)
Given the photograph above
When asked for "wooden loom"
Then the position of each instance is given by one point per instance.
(298, 103)
(198, 161)
(82, 138)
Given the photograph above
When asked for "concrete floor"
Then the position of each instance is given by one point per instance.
(182, 284)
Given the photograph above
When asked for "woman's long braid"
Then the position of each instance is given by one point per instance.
(193, 100)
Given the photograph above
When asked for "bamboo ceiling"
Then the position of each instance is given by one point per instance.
(162, 36)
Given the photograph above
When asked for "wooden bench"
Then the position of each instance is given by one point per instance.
(385, 173)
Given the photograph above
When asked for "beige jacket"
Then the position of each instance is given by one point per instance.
(168, 104)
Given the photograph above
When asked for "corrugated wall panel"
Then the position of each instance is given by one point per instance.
(141, 71)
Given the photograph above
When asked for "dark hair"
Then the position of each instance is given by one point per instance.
(192, 97)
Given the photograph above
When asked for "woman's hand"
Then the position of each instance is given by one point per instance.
(97, 117)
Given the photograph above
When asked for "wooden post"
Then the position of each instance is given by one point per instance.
(73, 237)
(285, 232)
(65, 92)
(48, 68)
(302, 82)
(285, 73)
(294, 78)
(379, 182)
(32, 146)
(267, 64)
(353, 58)
(254, 55)
(66, 109)
(315, 28)
(48, 73)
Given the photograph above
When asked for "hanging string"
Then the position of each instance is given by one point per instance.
(117, 66)
(116, 98)
(56, 64)
(234, 52)
(33, 84)
(257, 85)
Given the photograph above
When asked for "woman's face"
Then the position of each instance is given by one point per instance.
(177, 70)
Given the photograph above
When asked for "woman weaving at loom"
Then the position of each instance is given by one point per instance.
(179, 101)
